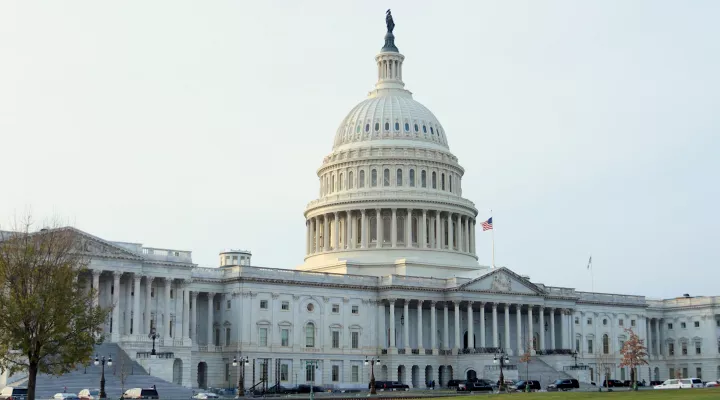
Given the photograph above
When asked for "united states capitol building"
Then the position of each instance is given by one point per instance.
(390, 272)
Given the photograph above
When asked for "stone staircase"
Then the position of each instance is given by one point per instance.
(88, 377)
(538, 370)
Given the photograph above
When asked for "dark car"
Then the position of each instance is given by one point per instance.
(628, 383)
(534, 385)
(563, 384)
(612, 383)
(306, 389)
(278, 389)
(393, 385)
(453, 383)
(475, 385)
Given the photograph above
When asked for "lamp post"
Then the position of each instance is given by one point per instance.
(501, 358)
(153, 335)
(102, 361)
(574, 355)
(314, 363)
(241, 377)
(374, 361)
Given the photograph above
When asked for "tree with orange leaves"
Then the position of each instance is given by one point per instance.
(634, 353)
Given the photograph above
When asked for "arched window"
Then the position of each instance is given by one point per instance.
(423, 178)
(386, 177)
(411, 179)
(367, 127)
(340, 182)
(332, 184)
(310, 335)
(442, 181)
(397, 126)
(450, 179)
(351, 184)
(606, 344)
(434, 180)
(373, 178)
(416, 128)
(373, 229)
(377, 126)
(387, 126)
(424, 128)
(361, 179)
(407, 127)
(398, 177)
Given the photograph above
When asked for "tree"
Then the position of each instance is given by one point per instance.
(604, 363)
(526, 358)
(50, 322)
(634, 354)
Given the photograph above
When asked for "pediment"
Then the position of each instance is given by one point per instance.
(501, 280)
(95, 247)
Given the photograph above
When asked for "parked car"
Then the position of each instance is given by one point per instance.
(453, 383)
(520, 385)
(140, 393)
(205, 396)
(628, 383)
(14, 393)
(687, 383)
(563, 384)
(65, 396)
(89, 394)
(279, 390)
(306, 389)
(475, 385)
(612, 383)
(712, 383)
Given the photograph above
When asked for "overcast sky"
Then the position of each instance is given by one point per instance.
(587, 127)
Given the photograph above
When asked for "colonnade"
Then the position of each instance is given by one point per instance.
(398, 227)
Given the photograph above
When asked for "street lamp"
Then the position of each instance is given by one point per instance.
(501, 358)
(574, 355)
(102, 361)
(312, 383)
(373, 362)
(153, 335)
(241, 378)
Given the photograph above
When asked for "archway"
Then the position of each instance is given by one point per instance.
(441, 376)
(384, 373)
(401, 374)
(415, 376)
(202, 375)
(177, 371)
(428, 375)
(471, 375)
(449, 372)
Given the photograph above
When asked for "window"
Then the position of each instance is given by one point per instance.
(671, 349)
(284, 372)
(285, 306)
(434, 180)
(217, 305)
(367, 127)
(669, 326)
(671, 373)
(263, 304)
(335, 308)
(387, 126)
(355, 310)
(361, 179)
(424, 128)
(590, 346)
(697, 324)
(683, 347)
(310, 335)
(340, 181)
(577, 320)
(589, 321)
(698, 348)
(227, 372)
(227, 336)
(416, 128)
(606, 344)
(355, 340)
(373, 178)
(450, 179)
(577, 345)
(262, 337)
(698, 372)
(377, 126)
(397, 126)
(621, 322)
(310, 372)
(310, 307)
(685, 373)
(386, 177)
(604, 321)
(351, 184)
(632, 322)
(411, 178)
(407, 127)
(284, 337)
(152, 292)
(355, 373)
(335, 339)
(398, 177)
(442, 181)
(423, 178)
(683, 325)
(171, 294)
(227, 304)
(335, 373)
(717, 323)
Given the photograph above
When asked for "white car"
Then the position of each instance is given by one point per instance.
(65, 396)
(687, 383)
(205, 396)
(712, 384)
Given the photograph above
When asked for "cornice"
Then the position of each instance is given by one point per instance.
(311, 210)
(372, 160)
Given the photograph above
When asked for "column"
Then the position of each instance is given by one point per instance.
(393, 228)
(96, 287)
(127, 320)
(406, 326)
(467, 234)
(553, 342)
(457, 327)
(148, 302)
(336, 232)
(378, 228)
(495, 326)
(446, 328)
(115, 323)
(483, 343)
(656, 335)
(408, 228)
(507, 346)
(531, 336)
(349, 230)
(308, 228)
(563, 333)
(472, 236)
(136, 314)
(450, 229)
(419, 325)
(211, 318)
(438, 238)
(471, 326)
(326, 233)
(518, 322)
(423, 232)
(382, 339)
(433, 326)
(166, 314)
(461, 237)
(363, 230)
(392, 322)
(186, 310)
(542, 328)
(193, 319)
(648, 341)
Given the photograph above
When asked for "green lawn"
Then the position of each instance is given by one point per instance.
(679, 394)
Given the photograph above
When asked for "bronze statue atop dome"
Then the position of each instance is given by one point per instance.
(389, 21)
(389, 37)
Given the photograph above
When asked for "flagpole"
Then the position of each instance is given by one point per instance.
(592, 276)
(493, 242)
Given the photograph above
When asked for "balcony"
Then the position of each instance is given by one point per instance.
(551, 352)
(428, 352)
(415, 351)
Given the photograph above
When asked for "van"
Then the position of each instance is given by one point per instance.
(139, 393)
(13, 393)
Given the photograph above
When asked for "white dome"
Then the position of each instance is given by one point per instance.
(390, 114)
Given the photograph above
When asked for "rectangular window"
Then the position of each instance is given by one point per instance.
(228, 304)
(589, 321)
(263, 304)
(698, 372)
(697, 324)
(355, 370)
(683, 325)
(227, 336)
(262, 337)
(632, 322)
(671, 349)
(684, 348)
(171, 293)
(577, 345)
(685, 371)
(152, 292)
(285, 306)
(698, 348)
(310, 372)
(670, 326)
(621, 322)
(217, 305)
(335, 373)
(577, 320)
(335, 308)
(284, 337)
(671, 373)
(284, 372)
(356, 310)
(717, 323)
(590, 346)
(335, 339)
(355, 339)
(234, 260)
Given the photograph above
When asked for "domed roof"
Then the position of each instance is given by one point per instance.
(390, 114)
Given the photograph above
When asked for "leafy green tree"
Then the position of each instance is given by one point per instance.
(50, 321)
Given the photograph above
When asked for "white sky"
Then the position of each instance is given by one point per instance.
(588, 127)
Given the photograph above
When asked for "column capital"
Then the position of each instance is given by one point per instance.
(391, 300)
(194, 294)
(420, 302)
(362, 212)
(211, 294)
(494, 305)
(137, 278)
(96, 272)
(457, 304)
(168, 281)
(481, 303)
(377, 210)
(551, 310)
(409, 210)
(117, 274)
(470, 303)
(337, 214)
(541, 308)
(433, 303)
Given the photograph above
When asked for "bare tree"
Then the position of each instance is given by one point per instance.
(122, 370)
(526, 358)
(604, 363)
(634, 353)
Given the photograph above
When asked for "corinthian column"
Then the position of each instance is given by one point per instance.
(186, 310)
(423, 233)
(336, 232)
(419, 325)
(471, 326)
(507, 346)
(96, 287)
(541, 328)
(408, 228)
(378, 228)
(363, 230)
(211, 318)
(457, 327)
(148, 302)
(166, 319)
(393, 228)
(518, 322)
(136, 304)
(115, 322)
(193, 318)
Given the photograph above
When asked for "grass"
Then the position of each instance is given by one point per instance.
(679, 394)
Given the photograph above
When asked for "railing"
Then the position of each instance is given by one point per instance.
(480, 350)
(575, 367)
(415, 351)
(551, 352)
(203, 348)
(444, 352)
(383, 351)
(401, 351)
(510, 367)
(428, 352)
(148, 354)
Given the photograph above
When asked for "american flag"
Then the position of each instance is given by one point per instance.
(487, 225)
